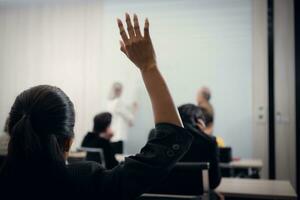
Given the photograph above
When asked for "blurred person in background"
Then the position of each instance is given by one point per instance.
(204, 147)
(4, 140)
(123, 116)
(100, 138)
(203, 101)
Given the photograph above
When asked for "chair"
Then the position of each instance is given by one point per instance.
(185, 181)
(118, 147)
(95, 150)
(225, 154)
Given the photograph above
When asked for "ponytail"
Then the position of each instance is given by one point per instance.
(24, 143)
(32, 156)
(35, 151)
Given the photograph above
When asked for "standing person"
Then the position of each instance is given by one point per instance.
(41, 126)
(123, 116)
(203, 101)
(100, 138)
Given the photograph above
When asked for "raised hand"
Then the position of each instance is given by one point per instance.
(137, 48)
(140, 51)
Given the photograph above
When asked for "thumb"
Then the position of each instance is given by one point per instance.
(123, 48)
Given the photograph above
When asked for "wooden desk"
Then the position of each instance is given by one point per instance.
(243, 164)
(253, 166)
(77, 154)
(82, 155)
(256, 189)
(121, 157)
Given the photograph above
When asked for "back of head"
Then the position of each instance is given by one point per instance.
(203, 96)
(190, 114)
(206, 93)
(41, 121)
(116, 90)
(101, 122)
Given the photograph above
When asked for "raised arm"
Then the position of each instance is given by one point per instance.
(140, 51)
(170, 142)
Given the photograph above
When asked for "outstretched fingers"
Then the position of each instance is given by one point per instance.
(134, 32)
(146, 29)
(129, 27)
(137, 27)
(122, 32)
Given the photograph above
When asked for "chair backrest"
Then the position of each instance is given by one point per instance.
(185, 179)
(95, 150)
(225, 154)
(118, 147)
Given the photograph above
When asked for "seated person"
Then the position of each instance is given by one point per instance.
(41, 128)
(204, 147)
(100, 138)
(4, 139)
(209, 116)
(203, 101)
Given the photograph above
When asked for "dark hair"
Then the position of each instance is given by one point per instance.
(6, 125)
(41, 120)
(206, 95)
(101, 122)
(190, 114)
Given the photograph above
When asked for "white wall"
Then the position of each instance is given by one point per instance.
(75, 46)
(198, 43)
(55, 43)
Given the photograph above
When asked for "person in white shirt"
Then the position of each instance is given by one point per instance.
(123, 115)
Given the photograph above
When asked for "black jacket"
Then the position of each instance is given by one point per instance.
(94, 141)
(126, 181)
(204, 149)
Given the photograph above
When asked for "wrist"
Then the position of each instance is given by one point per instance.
(149, 68)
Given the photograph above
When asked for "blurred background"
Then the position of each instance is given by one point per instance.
(220, 44)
